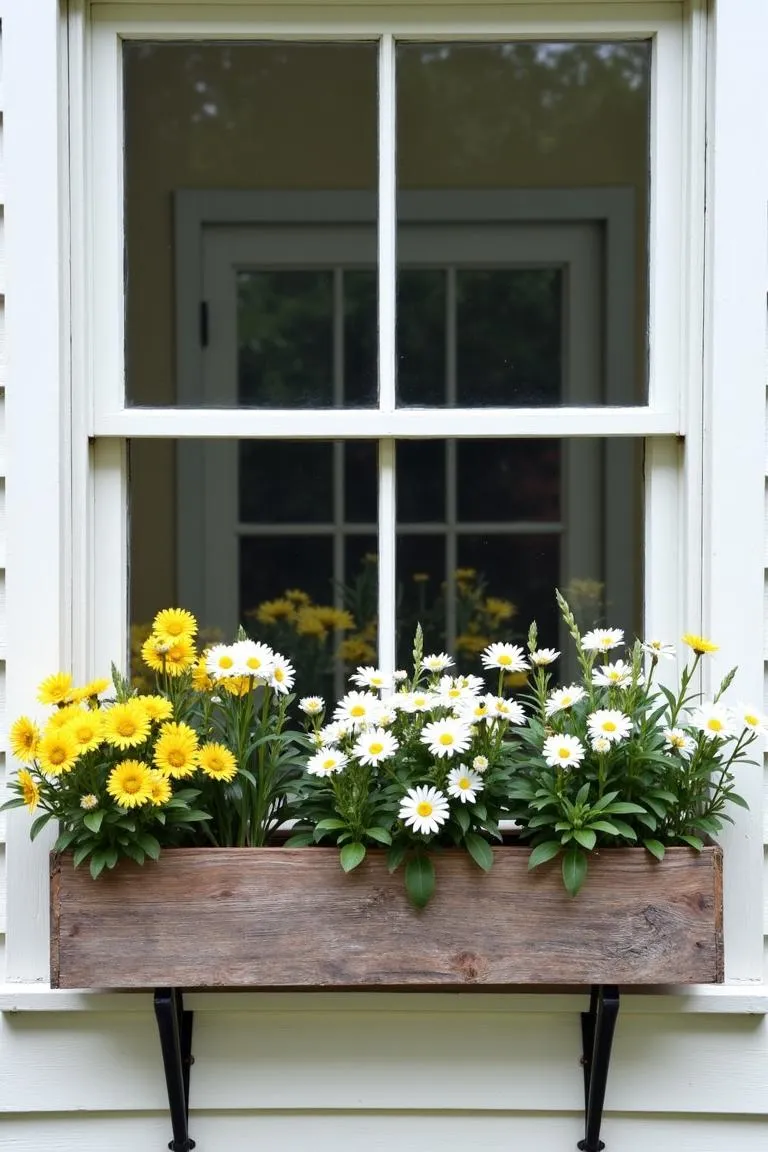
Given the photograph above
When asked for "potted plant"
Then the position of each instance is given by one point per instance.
(610, 787)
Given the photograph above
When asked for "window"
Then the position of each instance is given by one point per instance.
(405, 441)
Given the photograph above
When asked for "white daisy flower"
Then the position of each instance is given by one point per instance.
(437, 662)
(400, 675)
(563, 698)
(679, 741)
(609, 722)
(616, 675)
(447, 737)
(424, 809)
(476, 709)
(417, 701)
(254, 659)
(283, 675)
(659, 650)
(358, 709)
(601, 744)
(368, 677)
(374, 746)
(508, 657)
(221, 661)
(543, 656)
(563, 751)
(451, 692)
(508, 710)
(464, 784)
(714, 720)
(602, 639)
(387, 715)
(480, 763)
(325, 762)
(745, 716)
(312, 705)
(333, 732)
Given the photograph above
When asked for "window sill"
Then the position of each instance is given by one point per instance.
(741, 999)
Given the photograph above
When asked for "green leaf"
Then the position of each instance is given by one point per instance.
(655, 847)
(65, 839)
(395, 856)
(694, 842)
(542, 853)
(574, 870)
(733, 798)
(93, 820)
(379, 834)
(81, 852)
(39, 824)
(623, 806)
(420, 880)
(331, 824)
(462, 819)
(18, 802)
(625, 830)
(147, 844)
(134, 852)
(605, 826)
(480, 850)
(586, 837)
(351, 855)
(98, 864)
(300, 840)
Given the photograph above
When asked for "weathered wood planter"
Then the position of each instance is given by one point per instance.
(290, 918)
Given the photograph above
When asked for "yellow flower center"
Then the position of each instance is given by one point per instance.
(505, 660)
(375, 748)
(751, 720)
(329, 763)
(464, 783)
(254, 663)
(566, 701)
(357, 710)
(226, 662)
(424, 808)
(446, 739)
(609, 726)
(279, 675)
(714, 724)
(57, 756)
(126, 727)
(176, 758)
(454, 693)
(563, 753)
(131, 783)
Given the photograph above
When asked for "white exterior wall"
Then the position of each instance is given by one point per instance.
(326, 1071)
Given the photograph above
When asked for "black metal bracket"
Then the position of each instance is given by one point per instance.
(597, 1027)
(175, 1027)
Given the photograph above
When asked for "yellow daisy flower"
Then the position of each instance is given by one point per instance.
(201, 681)
(57, 751)
(55, 689)
(499, 609)
(23, 738)
(172, 658)
(334, 617)
(90, 690)
(174, 624)
(308, 623)
(87, 727)
(156, 707)
(130, 784)
(62, 716)
(176, 751)
(699, 644)
(160, 788)
(236, 685)
(355, 650)
(297, 596)
(29, 789)
(217, 761)
(271, 610)
(126, 725)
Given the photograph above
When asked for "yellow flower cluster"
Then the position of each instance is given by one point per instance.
(170, 647)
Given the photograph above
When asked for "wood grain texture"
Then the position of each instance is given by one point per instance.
(290, 918)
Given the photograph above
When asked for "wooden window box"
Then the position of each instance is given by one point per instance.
(290, 918)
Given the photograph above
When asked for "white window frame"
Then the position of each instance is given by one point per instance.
(68, 424)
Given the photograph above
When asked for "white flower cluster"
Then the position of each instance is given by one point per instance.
(252, 660)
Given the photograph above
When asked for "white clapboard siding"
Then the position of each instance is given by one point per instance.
(3, 473)
(376, 1133)
(375, 1061)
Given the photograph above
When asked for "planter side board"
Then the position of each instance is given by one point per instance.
(290, 918)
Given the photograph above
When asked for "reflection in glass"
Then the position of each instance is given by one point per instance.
(242, 120)
(421, 336)
(488, 136)
(508, 480)
(272, 479)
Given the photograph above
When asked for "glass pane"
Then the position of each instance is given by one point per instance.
(421, 336)
(360, 482)
(508, 480)
(254, 533)
(515, 163)
(361, 339)
(284, 339)
(421, 477)
(529, 516)
(235, 295)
